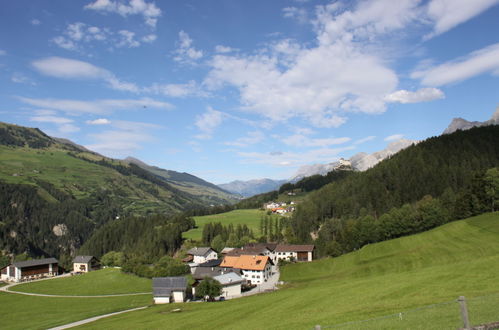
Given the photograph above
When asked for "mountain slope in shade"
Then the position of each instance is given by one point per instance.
(463, 124)
(252, 187)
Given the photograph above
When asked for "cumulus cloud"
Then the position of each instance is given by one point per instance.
(100, 121)
(394, 137)
(149, 38)
(208, 122)
(300, 14)
(186, 53)
(35, 22)
(149, 11)
(104, 106)
(190, 88)
(447, 14)
(421, 95)
(223, 49)
(476, 63)
(127, 39)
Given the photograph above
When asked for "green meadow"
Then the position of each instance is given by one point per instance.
(250, 218)
(32, 312)
(103, 282)
(400, 279)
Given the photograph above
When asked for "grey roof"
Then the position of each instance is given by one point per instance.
(200, 251)
(161, 292)
(211, 263)
(35, 262)
(169, 283)
(82, 259)
(229, 278)
(202, 272)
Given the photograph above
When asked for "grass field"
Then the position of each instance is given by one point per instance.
(31, 312)
(102, 282)
(250, 218)
(460, 258)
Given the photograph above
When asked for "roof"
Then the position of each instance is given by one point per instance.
(248, 250)
(83, 259)
(201, 273)
(229, 261)
(294, 248)
(162, 284)
(226, 250)
(211, 263)
(229, 278)
(35, 262)
(200, 251)
(268, 246)
(161, 292)
(251, 262)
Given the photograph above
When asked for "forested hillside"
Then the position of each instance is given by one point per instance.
(441, 179)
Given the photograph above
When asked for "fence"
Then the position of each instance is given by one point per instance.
(446, 315)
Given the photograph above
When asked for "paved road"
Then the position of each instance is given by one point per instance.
(92, 319)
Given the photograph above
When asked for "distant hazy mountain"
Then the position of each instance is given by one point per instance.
(322, 169)
(463, 124)
(252, 187)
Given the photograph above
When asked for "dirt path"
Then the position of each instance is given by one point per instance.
(95, 318)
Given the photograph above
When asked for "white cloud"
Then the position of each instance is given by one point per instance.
(66, 68)
(68, 128)
(476, 63)
(447, 14)
(51, 119)
(394, 137)
(299, 140)
(64, 43)
(149, 11)
(149, 38)
(223, 49)
(300, 14)
(177, 90)
(251, 138)
(100, 121)
(208, 122)
(366, 139)
(19, 78)
(127, 39)
(421, 95)
(35, 22)
(105, 106)
(3, 52)
(186, 53)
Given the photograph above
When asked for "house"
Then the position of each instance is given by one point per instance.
(169, 289)
(85, 264)
(30, 270)
(202, 254)
(293, 252)
(226, 250)
(210, 263)
(254, 268)
(203, 272)
(231, 284)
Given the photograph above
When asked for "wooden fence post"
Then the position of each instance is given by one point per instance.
(464, 312)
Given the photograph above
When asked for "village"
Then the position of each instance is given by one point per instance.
(251, 269)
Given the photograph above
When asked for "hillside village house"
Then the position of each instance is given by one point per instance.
(255, 269)
(30, 270)
(231, 284)
(169, 289)
(199, 255)
(85, 264)
(200, 273)
(293, 252)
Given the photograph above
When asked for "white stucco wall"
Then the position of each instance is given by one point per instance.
(230, 291)
(178, 296)
(76, 267)
(161, 300)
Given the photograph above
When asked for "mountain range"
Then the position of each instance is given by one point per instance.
(463, 124)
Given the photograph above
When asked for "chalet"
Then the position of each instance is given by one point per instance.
(293, 252)
(30, 270)
(169, 289)
(85, 264)
(255, 269)
(231, 284)
(200, 273)
(199, 255)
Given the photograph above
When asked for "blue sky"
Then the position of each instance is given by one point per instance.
(232, 89)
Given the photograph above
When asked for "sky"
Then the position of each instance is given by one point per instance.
(237, 90)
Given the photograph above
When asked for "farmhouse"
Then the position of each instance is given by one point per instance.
(293, 252)
(169, 289)
(255, 269)
(30, 270)
(231, 284)
(203, 272)
(85, 264)
(199, 255)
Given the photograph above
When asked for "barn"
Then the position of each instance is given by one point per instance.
(30, 270)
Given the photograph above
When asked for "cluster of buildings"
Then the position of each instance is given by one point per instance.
(238, 268)
(28, 270)
(280, 207)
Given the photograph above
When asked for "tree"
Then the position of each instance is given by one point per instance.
(209, 288)
(218, 243)
(113, 258)
(492, 187)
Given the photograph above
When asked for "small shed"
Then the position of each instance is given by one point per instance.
(85, 264)
(169, 289)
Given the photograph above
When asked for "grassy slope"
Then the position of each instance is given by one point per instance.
(460, 258)
(102, 282)
(249, 217)
(28, 312)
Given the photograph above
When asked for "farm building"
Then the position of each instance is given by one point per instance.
(293, 252)
(85, 264)
(30, 270)
(199, 255)
(231, 284)
(169, 289)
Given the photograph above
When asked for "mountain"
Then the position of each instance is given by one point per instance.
(463, 124)
(252, 187)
